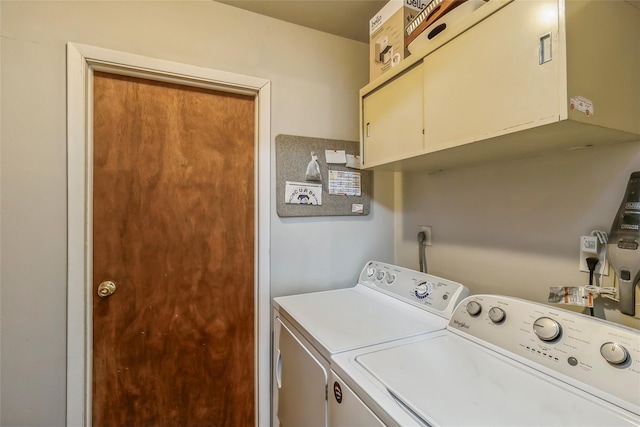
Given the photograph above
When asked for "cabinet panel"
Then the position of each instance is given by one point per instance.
(300, 382)
(489, 81)
(392, 119)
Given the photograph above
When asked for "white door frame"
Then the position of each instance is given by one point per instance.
(82, 61)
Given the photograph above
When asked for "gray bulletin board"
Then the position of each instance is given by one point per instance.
(293, 154)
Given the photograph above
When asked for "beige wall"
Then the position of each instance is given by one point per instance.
(514, 227)
(510, 227)
(315, 78)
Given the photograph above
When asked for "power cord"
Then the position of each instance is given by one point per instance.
(608, 292)
(422, 242)
(602, 240)
(591, 265)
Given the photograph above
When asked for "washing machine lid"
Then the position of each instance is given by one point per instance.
(347, 319)
(444, 380)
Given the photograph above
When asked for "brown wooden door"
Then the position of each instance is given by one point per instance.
(173, 227)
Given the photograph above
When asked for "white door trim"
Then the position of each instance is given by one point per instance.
(82, 61)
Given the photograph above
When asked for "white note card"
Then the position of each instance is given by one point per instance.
(336, 156)
(353, 162)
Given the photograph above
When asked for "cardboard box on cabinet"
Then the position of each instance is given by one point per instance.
(386, 34)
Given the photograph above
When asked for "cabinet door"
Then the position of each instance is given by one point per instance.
(392, 119)
(490, 81)
(301, 382)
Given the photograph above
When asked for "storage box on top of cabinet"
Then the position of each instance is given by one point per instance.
(515, 78)
(387, 35)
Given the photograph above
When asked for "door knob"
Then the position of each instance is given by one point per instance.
(106, 288)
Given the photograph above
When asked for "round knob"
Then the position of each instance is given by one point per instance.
(546, 329)
(474, 308)
(391, 278)
(614, 353)
(380, 275)
(496, 314)
(371, 271)
(423, 289)
(106, 288)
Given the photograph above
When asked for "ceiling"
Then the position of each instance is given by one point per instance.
(345, 18)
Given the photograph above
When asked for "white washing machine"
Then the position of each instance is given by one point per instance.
(500, 362)
(387, 303)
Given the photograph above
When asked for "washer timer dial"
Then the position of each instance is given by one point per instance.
(496, 314)
(474, 308)
(614, 353)
(546, 328)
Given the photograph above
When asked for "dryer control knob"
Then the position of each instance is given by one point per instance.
(496, 314)
(423, 289)
(546, 328)
(474, 308)
(614, 353)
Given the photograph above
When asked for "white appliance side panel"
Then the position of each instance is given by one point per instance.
(346, 409)
(448, 380)
(301, 382)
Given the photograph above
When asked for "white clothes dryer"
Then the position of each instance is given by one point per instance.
(388, 303)
(501, 362)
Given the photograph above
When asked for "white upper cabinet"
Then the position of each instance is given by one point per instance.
(532, 76)
(392, 117)
(492, 79)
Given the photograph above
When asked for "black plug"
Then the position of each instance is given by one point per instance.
(591, 265)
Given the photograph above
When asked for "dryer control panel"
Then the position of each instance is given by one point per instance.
(423, 290)
(578, 349)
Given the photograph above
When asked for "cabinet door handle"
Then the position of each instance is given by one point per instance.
(368, 130)
(545, 48)
(279, 369)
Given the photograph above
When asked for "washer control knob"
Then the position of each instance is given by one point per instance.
(497, 315)
(380, 275)
(371, 271)
(614, 353)
(423, 289)
(546, 328)
(391, 278)
(474, 308)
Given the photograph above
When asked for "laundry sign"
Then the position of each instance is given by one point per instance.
(302, 193)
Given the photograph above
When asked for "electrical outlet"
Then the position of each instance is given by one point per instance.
(590, 247)
(427, 231)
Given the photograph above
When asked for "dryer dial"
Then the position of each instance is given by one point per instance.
(423, 289)
(391, 278)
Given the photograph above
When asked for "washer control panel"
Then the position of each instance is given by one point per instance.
(567, 345)
(423, 290)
